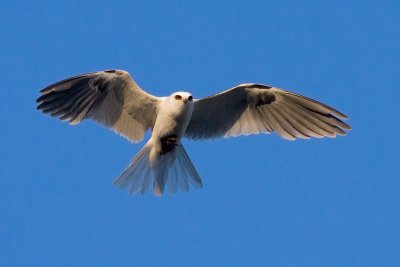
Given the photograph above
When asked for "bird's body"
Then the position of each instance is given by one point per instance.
(115, 100)
(173, 116)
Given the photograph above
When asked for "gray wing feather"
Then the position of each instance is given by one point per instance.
(111, 98)
(254, 108)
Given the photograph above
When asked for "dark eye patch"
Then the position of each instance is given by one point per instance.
(190, 98)
(178, 97)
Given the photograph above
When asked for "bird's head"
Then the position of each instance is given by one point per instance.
(182, 97)
(180, 102)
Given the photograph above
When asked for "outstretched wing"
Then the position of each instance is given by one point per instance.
(254, 108)
(110, 97)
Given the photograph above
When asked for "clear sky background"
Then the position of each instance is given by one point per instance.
(265, 201)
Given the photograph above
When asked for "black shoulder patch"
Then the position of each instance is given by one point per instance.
(260, 97)
(100, 84)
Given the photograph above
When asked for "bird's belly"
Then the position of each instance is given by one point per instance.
(167, 128)
(167, 125)
(166, 136)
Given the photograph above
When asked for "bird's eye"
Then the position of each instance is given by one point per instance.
(190, 98)
(178, 97)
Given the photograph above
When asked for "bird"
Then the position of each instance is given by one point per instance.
(114, 99)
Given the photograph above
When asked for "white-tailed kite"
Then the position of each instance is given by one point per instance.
(113, 99)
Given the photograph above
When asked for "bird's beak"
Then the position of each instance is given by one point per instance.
(185, 100)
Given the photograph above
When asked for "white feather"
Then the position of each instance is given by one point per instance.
(173, 169)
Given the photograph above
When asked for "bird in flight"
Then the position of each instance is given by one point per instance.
(113, 99)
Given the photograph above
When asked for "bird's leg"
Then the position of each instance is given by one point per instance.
(168, 143)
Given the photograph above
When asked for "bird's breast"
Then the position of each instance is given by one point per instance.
(172, 122)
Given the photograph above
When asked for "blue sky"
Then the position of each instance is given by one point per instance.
(265, 201)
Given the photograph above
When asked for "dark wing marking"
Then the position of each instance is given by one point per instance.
(110, 97)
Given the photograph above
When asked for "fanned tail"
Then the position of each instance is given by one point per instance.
(173, 170)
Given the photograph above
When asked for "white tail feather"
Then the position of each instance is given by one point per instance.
(173, 170)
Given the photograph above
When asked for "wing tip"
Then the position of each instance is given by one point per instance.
(339, 114)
